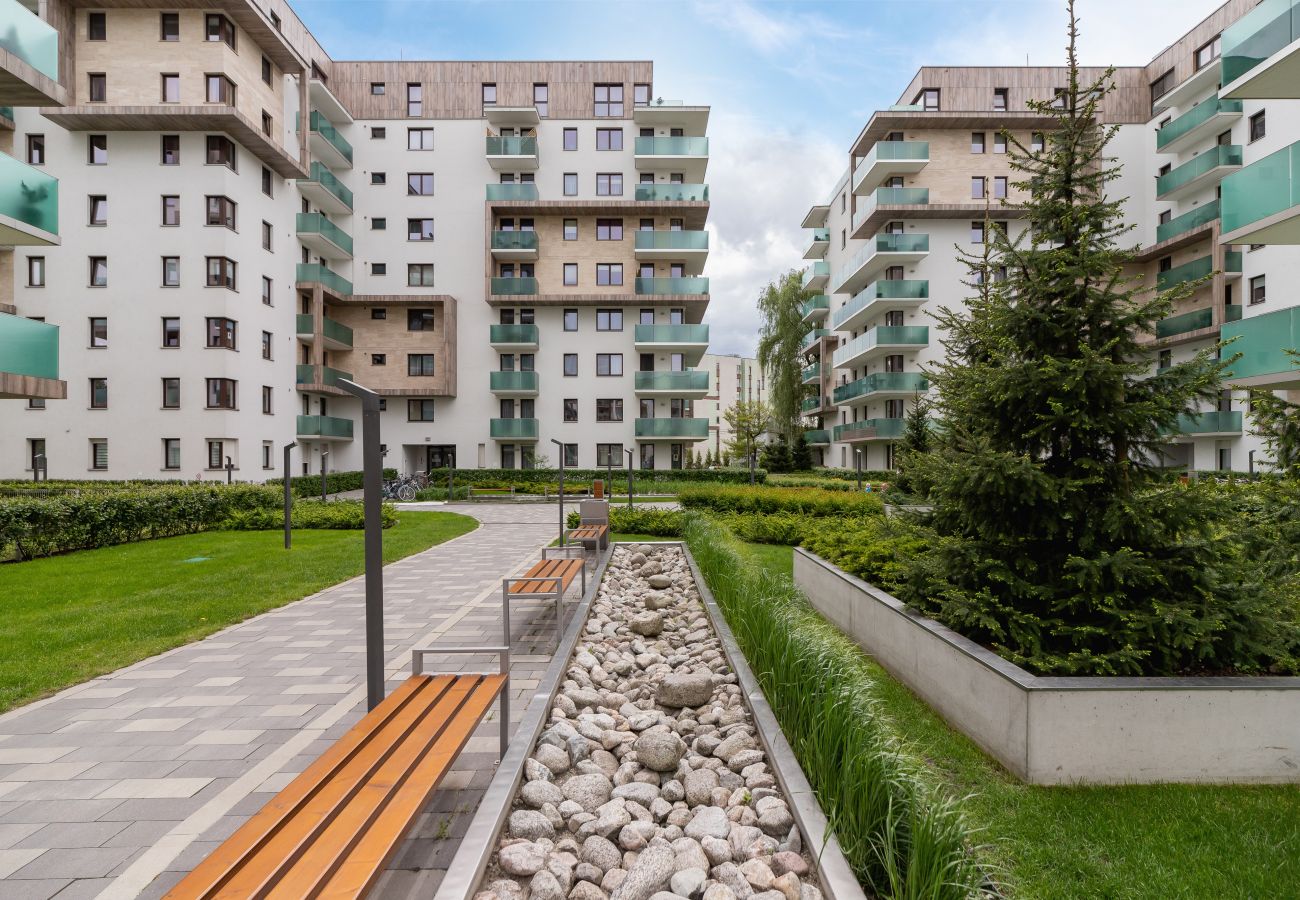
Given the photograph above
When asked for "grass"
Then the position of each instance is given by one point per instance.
(1117, 842)
(70, 618)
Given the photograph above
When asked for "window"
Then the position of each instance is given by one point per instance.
(169, 26)
(99, 271)
(609, 229)
(97, 149)
(36, 149)
(378, 133)
(221, 333)
(1207, 53)
(570, 364)
(609, 363)
(419, 410)
(221, 152)
(641, 95)
(221, 211)
(268, 344)
(419, 184)
(999, 187)
(171, 210)
(977, 185)
(419, 139)
(1257, 126)
(171, 271)
(570, 139)
(267, 398)
(171, 393)
(570, 320)
(36, 271)
(171, 332)
(96, 26)
(221, 272)
(570, 184)
(414, 100)
(609, 320)
(221, 393)
(219, 28)
(977, 142)
(98, 209)
(928, 99)
(1000, 99)
(266, 235)
(609, 455)
(376, 88)
(219, 89)
(999, 143)
(1166, 359)
(489, 95)
(216, 453)
(98, 87)
(419, 229)
(571, 455)
(171, 150)
(570, 273)
(1060, 96)
(268, 124)
(570, 229)
(608, 100)
(977, 232)
(609, 410)
(266, 291)
(378, 223)
(609, 273)
(570, 410)
(98, 332)
(609, 138)
(419, 364)
(268, 73)
(1162, 85)
(1257, 292)
(99, 455)
(419, 320)
(609, 184)
(171, 87)
(419, 275)
(267, 449)
(99, 393)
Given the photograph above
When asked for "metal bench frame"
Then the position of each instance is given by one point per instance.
(555, 595)
(503, 655)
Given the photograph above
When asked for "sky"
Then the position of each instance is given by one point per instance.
(790, 83)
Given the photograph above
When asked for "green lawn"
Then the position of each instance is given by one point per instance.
(69, 618)
(1161, 841)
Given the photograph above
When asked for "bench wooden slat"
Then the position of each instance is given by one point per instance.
(543, 575)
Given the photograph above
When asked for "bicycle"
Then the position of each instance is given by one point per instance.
(402, 489)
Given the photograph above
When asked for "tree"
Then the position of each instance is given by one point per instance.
(915, 442)
(1277, 421)
(780, 343)
(776, 456)
(800, 454)
(748, 420)
(1061, 546)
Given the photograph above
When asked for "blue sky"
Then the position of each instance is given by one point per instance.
(790, 83)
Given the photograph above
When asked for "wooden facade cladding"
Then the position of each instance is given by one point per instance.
(694, 304)
(1179, 55)
(693, 213)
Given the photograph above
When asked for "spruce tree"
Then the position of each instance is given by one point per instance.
(800, 455)
(915, 442)
(1277, 421)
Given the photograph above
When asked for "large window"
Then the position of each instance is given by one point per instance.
(414, 100)
(419, 184)
(419, 229)
(221, 333)
(221, 393)
(609, 138)
(609, 229)
(419, 364)
(609, 273)
(419, 320)
(609, 410)
(608, 100)
(419, 410)
(419, 275)
(609, 455)
(609, 184)
(419, 139)
(609, 363)
(219, 28)
(221, 272)
(221, 211)
(609, 320)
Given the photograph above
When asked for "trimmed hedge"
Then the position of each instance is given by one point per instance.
(522, 478)
(804, 501)
(335, 482)
(639, 520)
(337, 514)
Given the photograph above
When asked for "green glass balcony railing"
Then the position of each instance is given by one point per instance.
(28, 347)
(870, 429)
(690, 380)
(671, 334)
(1232, 312)
(811, 403)
(1262, 342)
(883, 336)
(892, 151)
(1188, 271)
(813, 306)
(309, 374)
(671, 240)
(885, 289)
(1195, 117)
(335, 331)
(1221, 155)
(514, 429)
(514, 286)
(1232, 261)
(499, 193)
(1201, 215)
(818, 270)
(672, 146)
(325, 427)
(817, 436)
(812, 373)
(815, 334)
(322, 126)
(1263, 189)
(1210, 422)
(513, 334)
(686, 428)
(900, 196)
(321, 175)
(511, 146)
(514, 240)
(671, 193)
(1184, 323)
(682, 285)
(28, 194)
(1252, 39)
(316, 223)
(879, 383)
(322, 274)
(7, 112)
(515, 382)
(28, 37)
(883, 243)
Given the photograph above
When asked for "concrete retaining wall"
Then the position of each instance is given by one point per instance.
(1070, 730)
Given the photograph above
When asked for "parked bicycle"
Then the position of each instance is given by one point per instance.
(403, 489)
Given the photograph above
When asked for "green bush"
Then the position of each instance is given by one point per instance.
(639, 520)
(877, 550)
(806, 501)
(335, 482)
(618, 477)
(338, 514)
(433, 492)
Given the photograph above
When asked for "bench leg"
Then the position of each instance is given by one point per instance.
(505, 613)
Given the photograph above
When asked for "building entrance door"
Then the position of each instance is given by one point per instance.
(442, 456)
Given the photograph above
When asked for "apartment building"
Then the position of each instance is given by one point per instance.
(1207, 137)
(509, 253)
(735, 379)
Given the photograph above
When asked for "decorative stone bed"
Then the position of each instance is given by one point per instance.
(650, 779)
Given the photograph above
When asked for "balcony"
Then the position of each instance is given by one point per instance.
(326, 191)
(29, 58)
(881, 340)
(326, 143)
(1261, 203)
(513, 429)
(879, 253)
(319, 273)
(335, 335)
(320, 234)
(1188, 271)
(514, 245)
(1260, 55)
(870, 430)
(692, 246)
(877, 297)
(812, 337)
(1189, 221)
(313, 376)
(29, 205)
(1206, 118)
(671, 193)
(814, 309)
(661, 113)
(811, 373)
(1262, 342)
(1185, 323)
(29, 360)
(816, 276)
(513, 384)
(525, 192)
(513, 337)
(687, 155)
(818, 244)
(514, 287)
(691, 384)
(324, 427)
(880, 385)
(817, 437)
(511, 153)
(884, 203)
(691, 340)
(677, 429)
(1199, 172)
(679, 286)
(1212, 423)
(812, 405)
(886, 159)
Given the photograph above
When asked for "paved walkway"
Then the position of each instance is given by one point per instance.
(117, 787)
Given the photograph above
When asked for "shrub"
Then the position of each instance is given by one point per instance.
(878, 550)
(338, 514)
(335, 482)
(639, 520)
(807, 501)
(618, 476)
(459, 492)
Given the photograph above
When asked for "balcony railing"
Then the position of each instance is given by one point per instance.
(915, 154)
(691, 380)
(1194, 118)
(816, 307)
(521, 191)
(679, 285)
(672, 146)
(309, 374)
(326, 179)
(671, 334)
(881, 383)
(896, 244)
(514, 429)
(28, 194)
(817, 436)
(812, 403)
(514, 240)
(1184, 323)
(666, 428)
(815, 334)
(671, 193)
(321, 125)
(885, 289)
(514, 286)
(1263, 190)
(890, 196)
(818, 272)
(811, 373)
(513, 382)
(322, 274)
(870, 429)
(1201, 215)
(331, 329)
(316, 223)
(1198, 166)
(514, 334)
(28, 347)
(1262, 342)
(1188, 271)
(1256, 36)
(1212, 421)
(671, 240)
(28, 37)
(511, 146)
(325, 427)
(882, 336)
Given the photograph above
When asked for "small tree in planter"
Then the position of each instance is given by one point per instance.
(916, 442)
(801, 455)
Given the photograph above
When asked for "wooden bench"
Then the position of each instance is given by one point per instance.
(332, 831)
(594, 538)
(548, 579)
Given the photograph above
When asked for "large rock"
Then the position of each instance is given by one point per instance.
(554, 758)
(601, 853)
(648, 624)
(539, 793)
(530, 825)
(659, 750)
(787, 861)
(545, 886)
(648, 875)
(688, 882)
(588, 791)
(585, 890)
(522, 859)
(657, 600)
(642, 793)
(685, 690)
(699, 786)
(659, 582)
(708, 821)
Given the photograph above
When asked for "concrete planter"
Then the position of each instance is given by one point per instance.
(1070, 730)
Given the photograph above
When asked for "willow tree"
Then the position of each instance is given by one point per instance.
(779, 344)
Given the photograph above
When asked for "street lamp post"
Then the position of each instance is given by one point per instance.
(37, 461)
(630, 454)
(857, 456)
(560, 447)
(323, 453)
(751, 459)
(288, 496)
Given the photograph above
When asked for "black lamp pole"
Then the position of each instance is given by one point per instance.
(630, 454)
(559, 446)
(288, 496)
(323, 453)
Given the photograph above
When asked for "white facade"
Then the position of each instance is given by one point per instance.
(733, 379)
